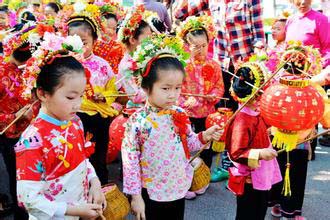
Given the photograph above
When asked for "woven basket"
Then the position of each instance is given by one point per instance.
(202, 175)
(118, 206)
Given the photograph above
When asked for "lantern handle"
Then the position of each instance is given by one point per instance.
(308, 139)
(247, 83)
(244, 104)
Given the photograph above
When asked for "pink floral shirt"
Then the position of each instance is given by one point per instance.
(205, 79)
(100, 70)
(153, 155)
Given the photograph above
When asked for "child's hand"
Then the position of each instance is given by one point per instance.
(138, 207)
(267, 154)
(85, 211)
(211, 98)
(212, 134)
(95, 194)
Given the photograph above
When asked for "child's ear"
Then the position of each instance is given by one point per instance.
(146, 91)
(41, 94)
(132, 41)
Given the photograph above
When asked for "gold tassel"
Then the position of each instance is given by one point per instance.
(286, 184)
(218, 146)
(217, 160)
(285, 139)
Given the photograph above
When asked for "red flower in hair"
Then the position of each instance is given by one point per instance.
(127, 31)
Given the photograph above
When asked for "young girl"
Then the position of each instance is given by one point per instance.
(158, 137)
(132, 31)
(98, 72)
(17, 50)
(203, 76)
(55, 180)
(107, 46)
(278, 33)
(255, 167)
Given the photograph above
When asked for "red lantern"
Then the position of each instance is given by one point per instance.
(291, 106)
(218, 118)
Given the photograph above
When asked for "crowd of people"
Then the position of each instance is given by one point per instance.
(68, 69)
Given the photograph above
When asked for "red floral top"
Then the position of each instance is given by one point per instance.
(205, 79)
(10, 101)
(111, 51)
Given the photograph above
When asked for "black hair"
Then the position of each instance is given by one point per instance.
(23, 53)
(51, 75)
(27, 16)
(197, 32)
(54, 6)
(239, 86)
(138, 31)
(4, 8)
(165, 63)
(85, 24)
(110, 15)
(159, 25)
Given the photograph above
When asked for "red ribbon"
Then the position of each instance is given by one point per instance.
(148, 67)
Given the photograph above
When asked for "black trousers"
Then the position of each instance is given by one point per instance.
(198, 125)
(99, 127)
(291, 206)
(252, 204)
(154, 210)
(9, 157)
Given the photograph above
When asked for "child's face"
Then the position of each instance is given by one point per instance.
(198, 45)
(64, 103)
(86, 37)
(3, 20)
(111, 25)
(278, 31)
(50, 12)
(166, 90)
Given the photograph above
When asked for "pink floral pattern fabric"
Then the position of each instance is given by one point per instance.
(153, 155)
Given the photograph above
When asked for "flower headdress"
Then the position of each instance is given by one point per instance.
(111, 7)
(131, 23)
(81, 11)
(51, 47)
(153, 48)
(302, 59)
(192, 23)
(31, 33)
(254, 73)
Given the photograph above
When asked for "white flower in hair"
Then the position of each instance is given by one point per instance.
(73, 43)
(34, 38)
(79, 7)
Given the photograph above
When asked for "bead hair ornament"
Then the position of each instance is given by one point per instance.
(51, 48)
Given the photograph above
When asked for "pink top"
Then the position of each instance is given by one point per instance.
(100, 70)
(311, 29)
(153, 155)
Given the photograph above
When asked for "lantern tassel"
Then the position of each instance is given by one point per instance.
(218, 146)
(286, 184)
(287, 140)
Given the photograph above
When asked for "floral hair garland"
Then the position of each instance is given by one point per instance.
(152, 47)
(31, 33)
(111, 7)
(131, 23)
(79, 11)
(51, 47)
(257, 72)
(305, 57)
(192, 23)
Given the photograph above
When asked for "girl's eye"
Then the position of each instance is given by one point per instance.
(70, 98)
(166, 89)
(177, 88)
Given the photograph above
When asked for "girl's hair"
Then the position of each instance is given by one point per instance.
(166, 63)
(137, 32)
(54, 6)
(23, 53)
(198, 32)
(110, 15)
(4, 8)
(27, 16)
(51, 75)
(159, 25)
(239, 86)
(85, 25)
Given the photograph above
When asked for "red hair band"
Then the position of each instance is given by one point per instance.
(148, 67)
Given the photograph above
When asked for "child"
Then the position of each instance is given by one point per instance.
(98, 72)
(255, 167)
(203, 76)
(158, 137)
(17, 50)
(278, 33)
(132, 31)
(55, 180)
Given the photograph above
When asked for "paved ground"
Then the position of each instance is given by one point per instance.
(220, 204)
